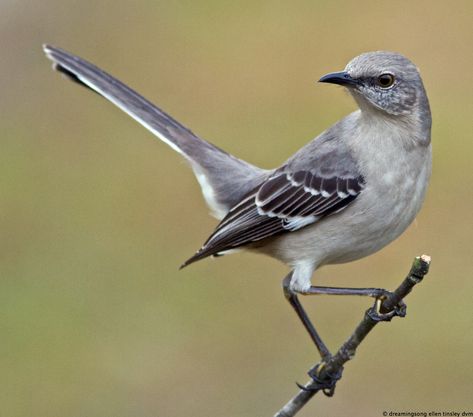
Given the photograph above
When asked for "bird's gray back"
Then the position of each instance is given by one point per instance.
(329, 153)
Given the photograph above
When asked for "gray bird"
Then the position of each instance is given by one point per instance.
(345, 195)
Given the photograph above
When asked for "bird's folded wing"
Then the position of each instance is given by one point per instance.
(285, 202)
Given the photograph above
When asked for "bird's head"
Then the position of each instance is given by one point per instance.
(384, 81)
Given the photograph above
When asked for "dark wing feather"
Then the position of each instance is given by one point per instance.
(285, 202)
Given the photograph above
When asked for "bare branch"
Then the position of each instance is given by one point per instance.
(327, 373)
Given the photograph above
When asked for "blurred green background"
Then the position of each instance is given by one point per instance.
(95, 318)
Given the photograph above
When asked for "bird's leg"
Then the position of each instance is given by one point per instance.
(291, 296)
(370, 292)
(378, 293)
(327, 384)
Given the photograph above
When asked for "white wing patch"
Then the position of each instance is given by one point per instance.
(298, 222)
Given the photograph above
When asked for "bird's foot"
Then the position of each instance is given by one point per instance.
(322, 380)
(375, 312)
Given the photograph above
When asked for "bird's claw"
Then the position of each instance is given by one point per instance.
(398, 311)
(401, 309)
(326, 383)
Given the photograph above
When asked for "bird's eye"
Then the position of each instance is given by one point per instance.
(385, 80)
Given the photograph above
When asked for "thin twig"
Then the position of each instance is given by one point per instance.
(384, 310)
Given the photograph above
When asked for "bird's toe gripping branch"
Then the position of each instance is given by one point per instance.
(376, 314)
(324, 382)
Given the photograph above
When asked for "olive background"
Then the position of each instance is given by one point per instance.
(96, 215)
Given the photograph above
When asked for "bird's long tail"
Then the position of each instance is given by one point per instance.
(224, 179)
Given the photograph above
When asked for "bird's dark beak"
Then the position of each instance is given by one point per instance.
(340, 78)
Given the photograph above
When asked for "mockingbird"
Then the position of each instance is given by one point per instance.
(343, 196)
